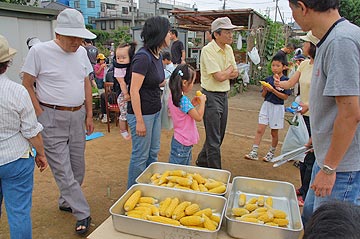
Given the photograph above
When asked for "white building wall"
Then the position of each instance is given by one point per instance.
(17, 30)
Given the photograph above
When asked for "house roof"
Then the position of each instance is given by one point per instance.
(9, 9)
(201, 20)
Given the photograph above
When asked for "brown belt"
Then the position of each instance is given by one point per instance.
(56, 107)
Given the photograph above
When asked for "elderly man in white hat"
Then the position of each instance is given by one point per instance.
(18, 129)
(217, 66)
(63, 102)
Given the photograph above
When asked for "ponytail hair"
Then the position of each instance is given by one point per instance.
(181, 72)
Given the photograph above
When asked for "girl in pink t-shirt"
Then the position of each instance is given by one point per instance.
(184, 112)
(99, 70)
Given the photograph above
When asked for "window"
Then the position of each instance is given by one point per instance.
(103, 25)
(91, 20)
(112, 25)
(125, 10)
(126, 24)
(102, 6)
(76, 4)
(111, 6)
(91, 4)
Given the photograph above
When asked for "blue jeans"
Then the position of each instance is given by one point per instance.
(180, 154)
(346, 188)
(144, 149)
(99, 83)
(16, 182)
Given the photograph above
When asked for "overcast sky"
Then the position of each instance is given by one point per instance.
(262, 6)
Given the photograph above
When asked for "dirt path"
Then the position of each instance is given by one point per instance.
(107, 161)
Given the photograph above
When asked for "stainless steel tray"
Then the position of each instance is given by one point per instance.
(158, 167)
(284, 198)
(156, 230)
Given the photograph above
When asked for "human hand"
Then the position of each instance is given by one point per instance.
(277, 81)
(305, 108)
(140, 129)
(127, 97)
(41, 162)
(323, 184)
(89, 125)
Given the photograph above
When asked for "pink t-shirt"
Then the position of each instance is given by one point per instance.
(185, 130)
(101, 74)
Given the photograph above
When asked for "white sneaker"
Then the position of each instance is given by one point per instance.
(252, 155)
(104, 119)
(268, 157)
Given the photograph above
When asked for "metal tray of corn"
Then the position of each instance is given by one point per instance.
(157, 230)
(214, 175)
(275, 196)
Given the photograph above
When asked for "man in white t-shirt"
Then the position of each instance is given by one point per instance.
(63, 102)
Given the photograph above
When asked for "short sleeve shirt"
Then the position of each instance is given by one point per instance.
(271, 97)
(214, 59)
(176, 51)
(305, 70)
(185, 104)
(336, 73)
(152, 69)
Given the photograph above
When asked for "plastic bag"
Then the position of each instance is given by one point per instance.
(166, 121)
(296, 137)
(254, 56)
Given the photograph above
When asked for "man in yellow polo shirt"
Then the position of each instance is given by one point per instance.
(217, 66)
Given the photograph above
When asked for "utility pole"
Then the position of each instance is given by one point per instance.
(276, 8)
(156, 7)
(224, 5)
(132, 13)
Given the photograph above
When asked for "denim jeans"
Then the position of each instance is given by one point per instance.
(144, 149)
(180, 154)
(346, 188)
(99, 83)
(16, 182)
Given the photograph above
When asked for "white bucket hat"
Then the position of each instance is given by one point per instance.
(6, 52)
(309, 37)
(70, 22)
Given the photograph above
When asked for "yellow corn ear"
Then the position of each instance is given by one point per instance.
(260, 201)
(163, 206)
(132, 201)
(272, 224)
(170, 184)
(180, 173)
(156, 181)
(195, 186)
(278, 213)
(192, 220)
(169, 210)
(250, 207)
(198, 93)
(281, 222)
(220, 189)
(164, 220)
(155, 176)
(269, 201)
(252, 201)
(242, 200)
(193, 208)
(206, 211)
(149, 200)
(189, 176)
(163, 178)
(238, 212)
(180, 180)
(180, 210)
(261, 209)
(135, 214)
(266, 217)
(208, 223)
(215, 218)
(213, 184)
(199, 178)
(203, 188)
(181, 187)
(248, 219)
(252, 215)
(154, 209)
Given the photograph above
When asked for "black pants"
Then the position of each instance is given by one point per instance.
(306, 166)
(215, 119)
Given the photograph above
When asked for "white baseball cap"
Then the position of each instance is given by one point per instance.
(222, 23)
(70, 22)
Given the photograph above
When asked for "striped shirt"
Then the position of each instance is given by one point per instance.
(18, 121)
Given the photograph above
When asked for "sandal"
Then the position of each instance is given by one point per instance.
(82, 223)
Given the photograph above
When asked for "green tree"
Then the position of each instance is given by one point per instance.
(20, 2)
(350, 9)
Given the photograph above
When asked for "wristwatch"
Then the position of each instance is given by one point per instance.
(328, 170)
